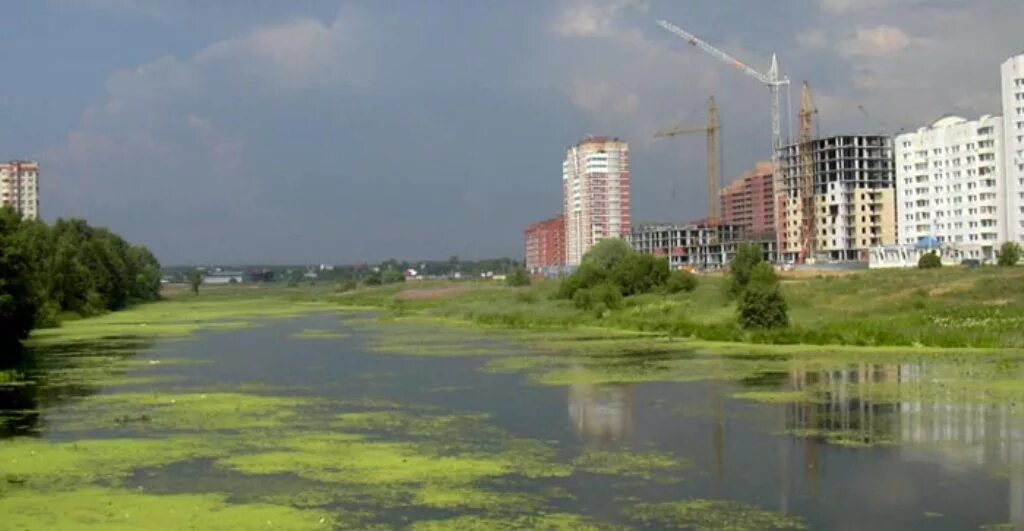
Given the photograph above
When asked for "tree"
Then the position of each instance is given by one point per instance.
(373, 279)
(598, 299)
(517, 278)
(586, 276)
(607, 253)
(1009, 254)
(392, 276)
(761, 305)
(681, 281)
(636, 273)
(195, 279)
(929, 261)
(747, 257)
(19, 304)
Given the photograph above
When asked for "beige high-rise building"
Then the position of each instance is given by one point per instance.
(595, 183)
(19, 187)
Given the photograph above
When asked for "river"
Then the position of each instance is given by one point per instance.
(914, 460)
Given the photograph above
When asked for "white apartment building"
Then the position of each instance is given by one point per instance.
(1013, 128)
(951, 185)
(595, 184)
(19, 187)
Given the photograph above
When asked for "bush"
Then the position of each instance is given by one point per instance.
(762, 307)
(929, 261)
(392, 276)
(373, 280)
(345, 285)
(762, 274)
(1009, 254)
(681, 281)
(636, 274)
(598, 299)
(518, 278)
(587, 276)
(747, 257)
(607, 253)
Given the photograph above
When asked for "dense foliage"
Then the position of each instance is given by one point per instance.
(681, 281)
(612, 265)
(1009, 254)
(929, 261)
(518, 278)
(761, 305)
(747, 257)
(67, 267)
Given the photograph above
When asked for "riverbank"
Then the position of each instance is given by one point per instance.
(949, 308)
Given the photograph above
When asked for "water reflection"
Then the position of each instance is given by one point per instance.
(935, 413)
(34, 378)
(601, 413)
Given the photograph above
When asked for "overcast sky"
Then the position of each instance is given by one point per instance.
(329, 131)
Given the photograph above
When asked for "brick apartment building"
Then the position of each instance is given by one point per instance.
(545, 245)
(749, 202)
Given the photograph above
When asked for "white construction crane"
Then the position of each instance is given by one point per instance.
(774, 83)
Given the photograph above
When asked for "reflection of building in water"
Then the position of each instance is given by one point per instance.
(922, 407)
(601, 413)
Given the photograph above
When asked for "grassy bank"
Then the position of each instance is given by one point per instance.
(946, 308)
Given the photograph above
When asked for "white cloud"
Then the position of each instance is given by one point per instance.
(812, 39)
(593, 17)
(879, 41)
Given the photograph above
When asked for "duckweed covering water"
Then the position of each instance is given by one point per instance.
(711, 514)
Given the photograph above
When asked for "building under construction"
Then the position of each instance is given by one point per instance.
(699, 246)
(850, 183)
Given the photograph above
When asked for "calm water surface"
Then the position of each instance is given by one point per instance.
(946, 465)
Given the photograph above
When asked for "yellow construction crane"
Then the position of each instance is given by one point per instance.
(805, 140)
(711, 128)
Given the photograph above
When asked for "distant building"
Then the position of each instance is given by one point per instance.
(545, 245)
(224, 277)
(749, 202)
(19, 187)
(854, 197)
(595, 182)
(695, 246)
(1013, 145)
(951, 186)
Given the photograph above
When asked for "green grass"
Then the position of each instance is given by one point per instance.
(943, 308)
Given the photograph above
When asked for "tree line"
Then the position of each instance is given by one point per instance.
(67, 267)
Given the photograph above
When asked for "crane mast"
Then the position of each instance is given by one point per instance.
(774, 82)
(805, 175)
(711, 128)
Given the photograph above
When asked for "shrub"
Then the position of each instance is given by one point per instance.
(598, 299)
(1009, 254)
(345, 285)
(747, 257)
(518, 278)
(587, 276)
(607, 253)
(762, 307)
(636, 274)
(373, 279)
(392, 276)
(762, 274)
(929, 261)
(681, 281)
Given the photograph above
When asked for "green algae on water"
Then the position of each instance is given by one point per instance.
(184, 411)
(542, 522)
(775, 397)
(711, 514)
(310, 333)
(105, 509)
(648, 466)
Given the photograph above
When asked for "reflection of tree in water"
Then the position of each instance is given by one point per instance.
(601, 413)
(36, 378)
(935, 412)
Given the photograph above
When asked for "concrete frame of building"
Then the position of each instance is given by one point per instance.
(854, 189)
(694, 246)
